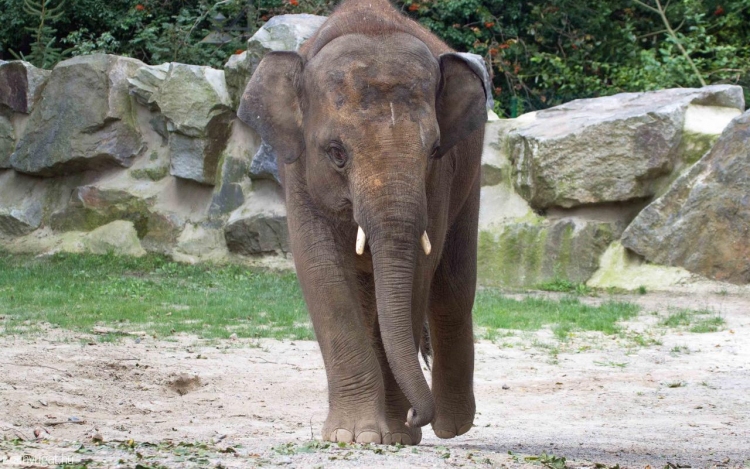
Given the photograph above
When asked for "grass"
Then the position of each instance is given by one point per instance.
(565, 286)
(161, 297)
(697, 321)
(494, 311)
(151, 294)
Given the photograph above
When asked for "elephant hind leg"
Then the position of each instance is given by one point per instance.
(451, 329)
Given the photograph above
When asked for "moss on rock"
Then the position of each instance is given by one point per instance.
(523, 254)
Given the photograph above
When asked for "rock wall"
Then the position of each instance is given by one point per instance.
(107, 153)
(561, 186)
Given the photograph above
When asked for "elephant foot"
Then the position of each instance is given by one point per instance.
(401, 434)
(339, 429)
(454, 422)
(446, 430)
(454, 413)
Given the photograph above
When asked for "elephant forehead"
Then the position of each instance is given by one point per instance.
(364, 72)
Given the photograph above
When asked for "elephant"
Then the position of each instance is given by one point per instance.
(377, 126)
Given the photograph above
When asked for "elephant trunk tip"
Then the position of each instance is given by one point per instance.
(416, 419)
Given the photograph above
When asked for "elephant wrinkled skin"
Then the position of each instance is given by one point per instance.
(377, 126)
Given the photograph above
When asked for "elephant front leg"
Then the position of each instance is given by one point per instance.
(356, 394)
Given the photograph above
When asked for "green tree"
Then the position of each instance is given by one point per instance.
(43, 52)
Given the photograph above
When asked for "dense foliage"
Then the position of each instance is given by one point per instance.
(542, 53)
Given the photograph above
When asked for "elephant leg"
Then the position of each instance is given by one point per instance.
(356, 395)
(451, 331)
(396, 403)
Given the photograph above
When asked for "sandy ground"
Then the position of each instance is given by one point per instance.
(599, 402)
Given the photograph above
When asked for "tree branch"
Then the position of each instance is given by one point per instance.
(662, 12)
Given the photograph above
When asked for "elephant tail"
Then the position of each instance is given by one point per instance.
(425, 346)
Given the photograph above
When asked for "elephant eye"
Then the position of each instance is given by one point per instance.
(435, 149)
(337, 154)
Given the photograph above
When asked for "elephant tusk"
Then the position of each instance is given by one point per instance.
(361, 239)
(426, 243)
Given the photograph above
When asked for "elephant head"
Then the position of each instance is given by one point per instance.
(362, 119)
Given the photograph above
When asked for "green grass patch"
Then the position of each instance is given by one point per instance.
(564, 286)
(697, 321)
(494, 311)
(152, 294)
(161, 297)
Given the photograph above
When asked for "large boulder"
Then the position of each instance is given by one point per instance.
(702, 222)
(85, 119)
(620, 268)
(614, 149)
(25, 201)
(282, 32)
(520, 248)
(118, 237)
(21, 85)
(259, 226)
(197, 112)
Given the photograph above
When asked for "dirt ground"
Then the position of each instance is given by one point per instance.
(598, 401)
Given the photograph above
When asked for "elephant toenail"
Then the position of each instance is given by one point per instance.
(369, 437)
(464, 428)
(341, 436)
(444, 434)
(402, 438)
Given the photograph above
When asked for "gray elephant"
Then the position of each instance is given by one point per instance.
(378, 128)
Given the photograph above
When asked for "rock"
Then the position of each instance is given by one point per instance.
(200, 243)
(259, 226)
(230, 193)
(702, 223)
(620, 268)
(519, 248)
(233, 178)
(118, 237)
(499, 202)
(18, 221)
(610, 149)
(282, 32)
(264, 164)
(93, 206)
(158, 210)
(21, 85)
(7, 141)
(154, 169)
(527, 253)
(84, 121)
(144, 86)
(25, 200)
(197, 112)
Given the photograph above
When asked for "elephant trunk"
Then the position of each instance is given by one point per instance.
(394, 239)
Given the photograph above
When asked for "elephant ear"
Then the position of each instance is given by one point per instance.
(463, 97)
(271, 104)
